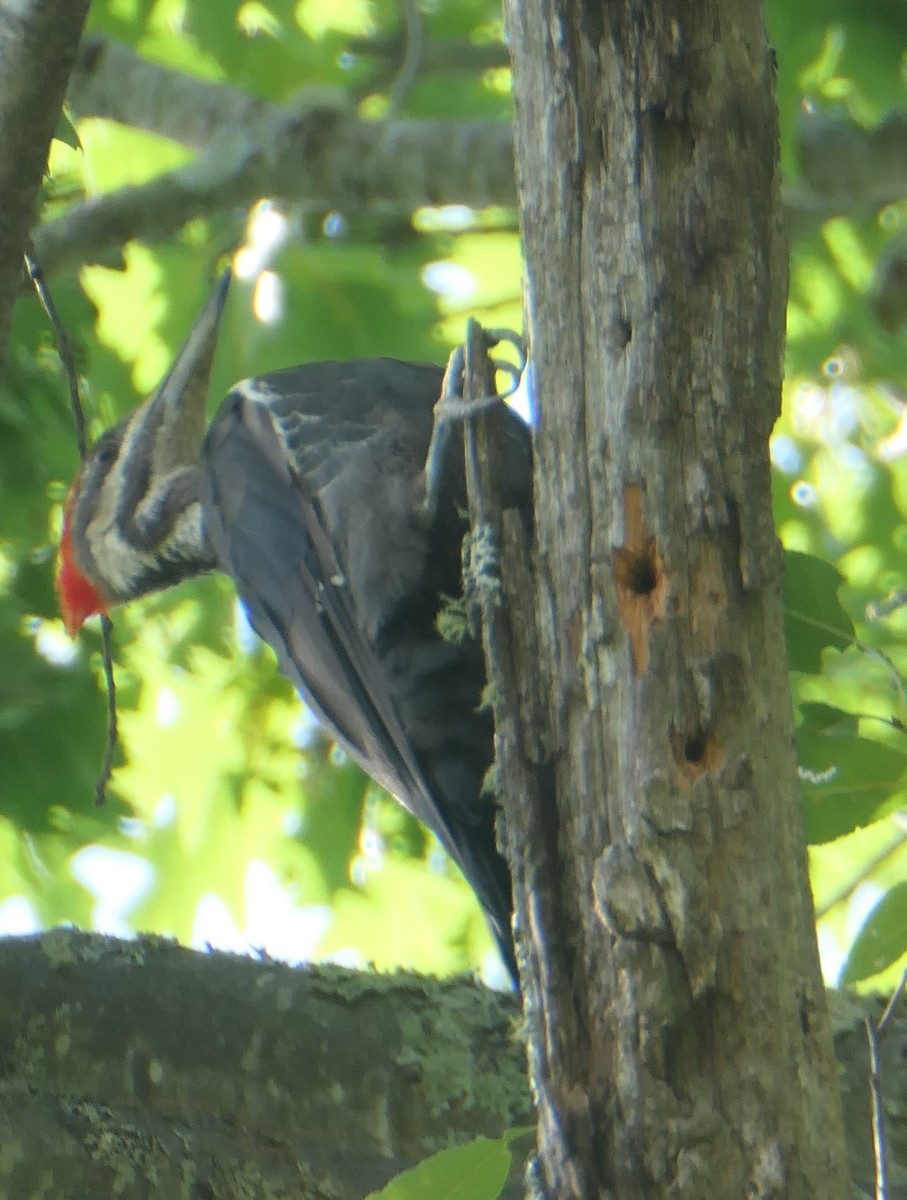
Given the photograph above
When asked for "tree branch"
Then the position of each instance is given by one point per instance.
(122, 1059)
(317, 151)
(158, 99)
(439, 55)
(193, 111)
(125, 1058)
(848, 168)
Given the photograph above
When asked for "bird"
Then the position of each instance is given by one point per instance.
(308, 489)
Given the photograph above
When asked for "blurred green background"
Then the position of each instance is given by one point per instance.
(231, 819)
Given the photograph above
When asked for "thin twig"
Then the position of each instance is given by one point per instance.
(879, 609)
(65, 350)
(66, 357)
(875, 1094)
(412, 57)
(874, 1033)
(892, 1004)
(113, 733)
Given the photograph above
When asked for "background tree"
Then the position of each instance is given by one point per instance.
(38, 44)
(351, 176)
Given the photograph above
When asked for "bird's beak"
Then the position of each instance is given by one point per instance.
(177, 409)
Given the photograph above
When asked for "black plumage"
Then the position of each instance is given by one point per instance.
(312, 480)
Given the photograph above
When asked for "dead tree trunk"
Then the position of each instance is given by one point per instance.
(679, 1036)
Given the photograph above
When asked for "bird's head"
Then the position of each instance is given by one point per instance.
(132, 522)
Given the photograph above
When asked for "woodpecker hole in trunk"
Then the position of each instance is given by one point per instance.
(640, 580)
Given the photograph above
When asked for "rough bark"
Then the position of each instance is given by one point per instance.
(142, 1068)
(38, 43)
(130, 1062)
(680, 1043)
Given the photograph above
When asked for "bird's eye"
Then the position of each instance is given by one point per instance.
(104, 453)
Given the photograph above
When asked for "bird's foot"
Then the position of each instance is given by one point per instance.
(453, 407)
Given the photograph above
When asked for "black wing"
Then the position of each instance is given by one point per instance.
(266, 531)
(287, 520)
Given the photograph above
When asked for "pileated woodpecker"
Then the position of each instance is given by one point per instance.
(309, 490)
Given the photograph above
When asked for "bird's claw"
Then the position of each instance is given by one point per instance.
(494, 337)
(452, 406)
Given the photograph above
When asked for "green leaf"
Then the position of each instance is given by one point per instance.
(66, 131)
(882, 940)
(520, 1131)
(848, 781)
(475, 1171)
(813, 616)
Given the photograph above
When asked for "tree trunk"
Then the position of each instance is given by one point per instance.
(38, 43)
(680, 1043)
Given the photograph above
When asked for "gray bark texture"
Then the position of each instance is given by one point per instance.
(38, 44)
(679, 1039)
(142, 1069)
